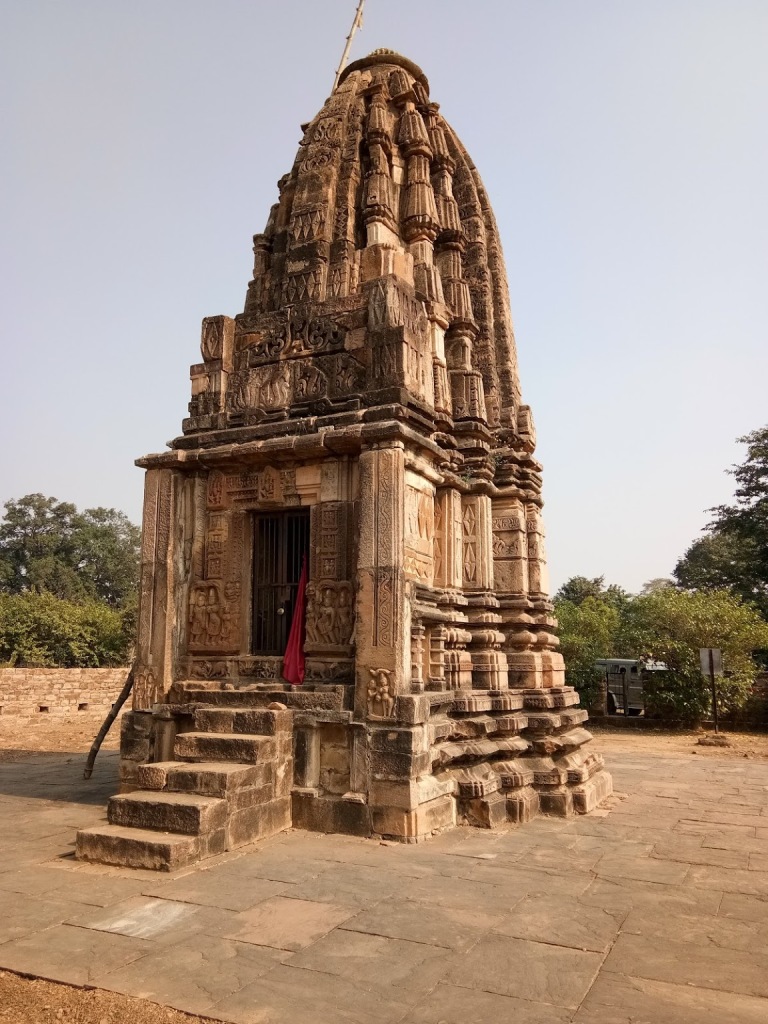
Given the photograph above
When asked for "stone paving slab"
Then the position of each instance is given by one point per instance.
(654, 913)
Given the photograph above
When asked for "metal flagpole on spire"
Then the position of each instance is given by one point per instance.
(356, 24)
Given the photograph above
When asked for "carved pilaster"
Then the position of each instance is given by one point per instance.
(383, 628)
(154, 645)
(476, 532)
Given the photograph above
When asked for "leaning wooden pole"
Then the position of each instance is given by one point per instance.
(107, 724)
(356, 24)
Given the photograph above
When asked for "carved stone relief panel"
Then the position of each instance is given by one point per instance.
(381, 694)
(477, 562)
(308, 225)
(389, 305)
(467, 395)
(265, 487)
(419, 533)
(537, 565)
(306, 285)
(510, 548)
(293, 336)
(330, 613)
(146, 690)
(332, 534)
(216, 537)
(216, 339)
(211, 616)
(447, 542)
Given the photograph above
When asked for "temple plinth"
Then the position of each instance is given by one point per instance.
(363, 414)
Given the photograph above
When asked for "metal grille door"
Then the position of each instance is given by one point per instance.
(280, 542)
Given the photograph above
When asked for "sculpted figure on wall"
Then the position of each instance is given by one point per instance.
(209, 624)
(329, 613)
(381, 699)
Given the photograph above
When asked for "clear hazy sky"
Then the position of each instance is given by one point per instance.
(624, 146)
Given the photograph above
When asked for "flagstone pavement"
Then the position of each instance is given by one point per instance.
(654, 913)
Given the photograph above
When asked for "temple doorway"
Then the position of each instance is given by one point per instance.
(280, 544)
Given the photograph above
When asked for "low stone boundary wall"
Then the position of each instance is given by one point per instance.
(59, 691)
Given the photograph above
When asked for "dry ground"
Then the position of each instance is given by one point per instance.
(20, 737)
(32, 1001)
(682, 743)
(26, 1000)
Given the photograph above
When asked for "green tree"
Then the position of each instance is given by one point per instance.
(48, 546)
(587, 632)
(722, 561)
(671, 625)
(744, 524)
(579, 588)
(41, 630)
(656, 584)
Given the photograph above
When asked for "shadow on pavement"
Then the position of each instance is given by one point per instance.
(30, 774)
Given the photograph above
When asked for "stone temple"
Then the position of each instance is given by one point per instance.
(362, 416)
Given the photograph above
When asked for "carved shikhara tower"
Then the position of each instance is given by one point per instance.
(365, 407)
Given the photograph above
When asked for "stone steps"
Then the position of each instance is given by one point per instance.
(224, 789)
(187, 813)
(138, 848)
(212, 778)
(222, 746)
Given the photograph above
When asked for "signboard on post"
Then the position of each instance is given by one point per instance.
(715, 665)
(712, 665)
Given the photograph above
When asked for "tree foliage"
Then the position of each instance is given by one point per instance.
(587, 631)
(734, 554)
(46, 545)
(664, 624)
(68, 583)
(41, 630)
(671, 626)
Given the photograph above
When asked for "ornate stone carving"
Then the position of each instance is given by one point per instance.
(381, 696)
(329, 613)
(146, 690)
(209, 617)
(420, 531)
(306, 286)
(308, 225)
(209, 670)
(295, 337)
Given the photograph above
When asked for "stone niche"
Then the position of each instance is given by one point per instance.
(362, 416)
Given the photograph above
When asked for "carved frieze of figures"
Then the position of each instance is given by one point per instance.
(146, 692)
(210, 624)
(329, 613)
(381, 696)
(268, 486)
(260, 668)
(209, 670)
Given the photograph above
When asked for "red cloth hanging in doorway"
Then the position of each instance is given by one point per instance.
(293, 659)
